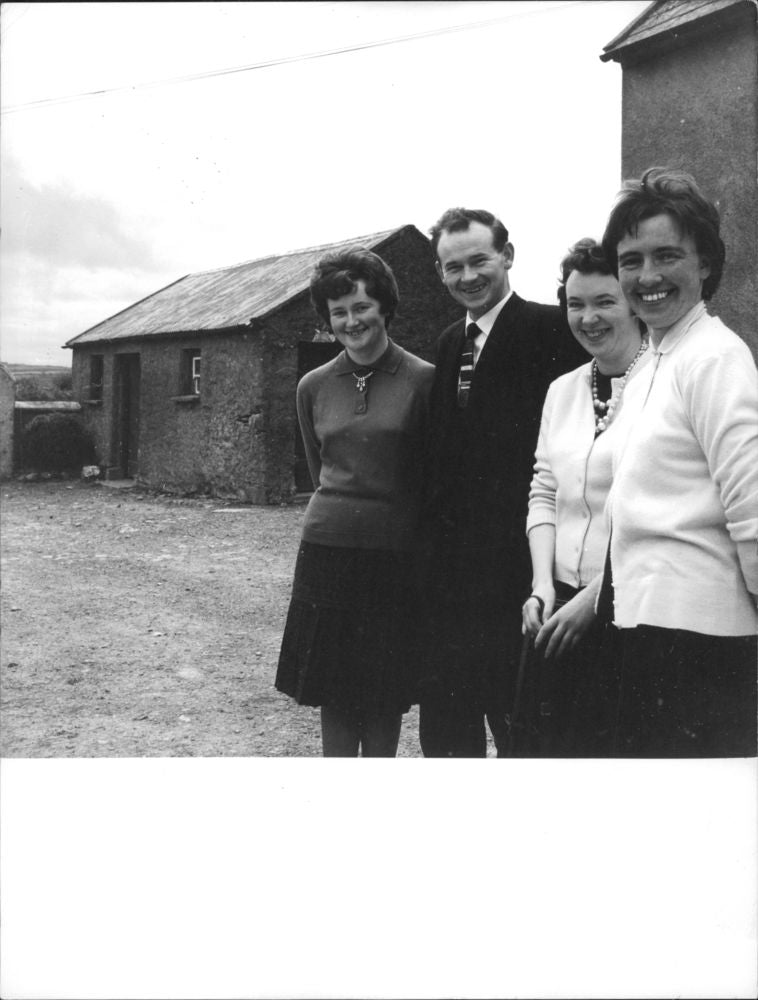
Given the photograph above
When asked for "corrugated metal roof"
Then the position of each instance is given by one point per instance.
(660, 18)
(223, 297)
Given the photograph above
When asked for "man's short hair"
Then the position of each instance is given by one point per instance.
(676, 193)
(456, 220)
(337, 274)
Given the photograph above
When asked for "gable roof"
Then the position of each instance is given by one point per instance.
(224, 297)
(665, 22)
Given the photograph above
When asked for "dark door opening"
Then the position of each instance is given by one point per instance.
(310, 354)
(127, 380)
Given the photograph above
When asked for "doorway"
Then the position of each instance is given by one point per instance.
(126, 414)
(310, 354)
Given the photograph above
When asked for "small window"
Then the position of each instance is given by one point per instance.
(191, 372)
(96, 376)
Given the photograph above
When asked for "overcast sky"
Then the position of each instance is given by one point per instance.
(107, 198)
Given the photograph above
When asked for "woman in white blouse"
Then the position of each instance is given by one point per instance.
(684, 502)
(583, 424)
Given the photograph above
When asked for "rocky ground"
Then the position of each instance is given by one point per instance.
(143, 625)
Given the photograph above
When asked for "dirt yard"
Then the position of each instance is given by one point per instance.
(141, 625)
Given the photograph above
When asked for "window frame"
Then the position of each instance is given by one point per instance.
(94, 387)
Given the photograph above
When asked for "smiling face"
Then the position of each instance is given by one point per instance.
(359, 325)
(661, 273)
(473, 271)
(601, 320)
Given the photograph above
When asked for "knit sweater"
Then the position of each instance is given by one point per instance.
(573, 470)
(364, 450)
(684, 501)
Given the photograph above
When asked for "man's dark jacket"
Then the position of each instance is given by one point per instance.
(481, 459)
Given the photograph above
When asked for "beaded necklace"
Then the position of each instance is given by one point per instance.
(604, 410)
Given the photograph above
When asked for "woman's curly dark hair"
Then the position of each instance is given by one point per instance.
(676, 193)
(337, 274)
(587, 257)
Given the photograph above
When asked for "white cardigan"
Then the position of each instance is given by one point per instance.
(684, 501)
(572, 471)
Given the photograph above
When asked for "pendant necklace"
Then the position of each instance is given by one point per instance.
(360, 380)
(361, 376)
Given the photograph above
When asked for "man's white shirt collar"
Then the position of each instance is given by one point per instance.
(485, 324)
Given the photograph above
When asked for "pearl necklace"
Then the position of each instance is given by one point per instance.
(604, 410)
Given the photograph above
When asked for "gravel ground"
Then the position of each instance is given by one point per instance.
(143, 625)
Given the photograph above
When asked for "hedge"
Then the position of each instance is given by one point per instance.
(56, 442)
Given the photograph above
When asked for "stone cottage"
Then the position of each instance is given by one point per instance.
(192, 389)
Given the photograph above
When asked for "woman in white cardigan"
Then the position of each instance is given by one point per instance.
(684, 501)
(583, 421)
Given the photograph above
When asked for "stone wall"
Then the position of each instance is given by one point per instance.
(211, 443)
(7, 401)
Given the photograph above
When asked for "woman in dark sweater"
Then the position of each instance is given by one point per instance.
(348, 639)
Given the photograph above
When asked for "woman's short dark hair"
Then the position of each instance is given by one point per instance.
(336, 274)
(676, 193)
(456, 220)
(587, 257)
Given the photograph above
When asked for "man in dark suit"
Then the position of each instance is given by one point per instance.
(487, 398)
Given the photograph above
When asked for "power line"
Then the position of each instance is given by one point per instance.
(265, 64)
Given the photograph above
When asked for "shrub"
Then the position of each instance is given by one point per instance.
(64, 383)
(56, 442)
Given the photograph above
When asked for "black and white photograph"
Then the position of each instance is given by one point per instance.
(378, 379)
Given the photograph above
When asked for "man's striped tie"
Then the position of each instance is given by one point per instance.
(467, 364)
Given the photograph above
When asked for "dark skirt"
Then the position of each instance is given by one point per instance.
(684, 694)
(349, 638)
(567, 707)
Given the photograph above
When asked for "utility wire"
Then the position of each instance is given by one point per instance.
(304, 57)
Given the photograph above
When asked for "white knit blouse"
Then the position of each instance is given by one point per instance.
(573, 468)
(684, 501)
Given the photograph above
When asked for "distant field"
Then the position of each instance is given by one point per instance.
(40, 382)
(28, 371)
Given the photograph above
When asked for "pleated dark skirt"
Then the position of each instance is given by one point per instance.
(350, 636)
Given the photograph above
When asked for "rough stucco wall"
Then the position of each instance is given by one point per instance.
(7, 401)
(98, 417)
(231, 408)
(212, 445)
(697, 108)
